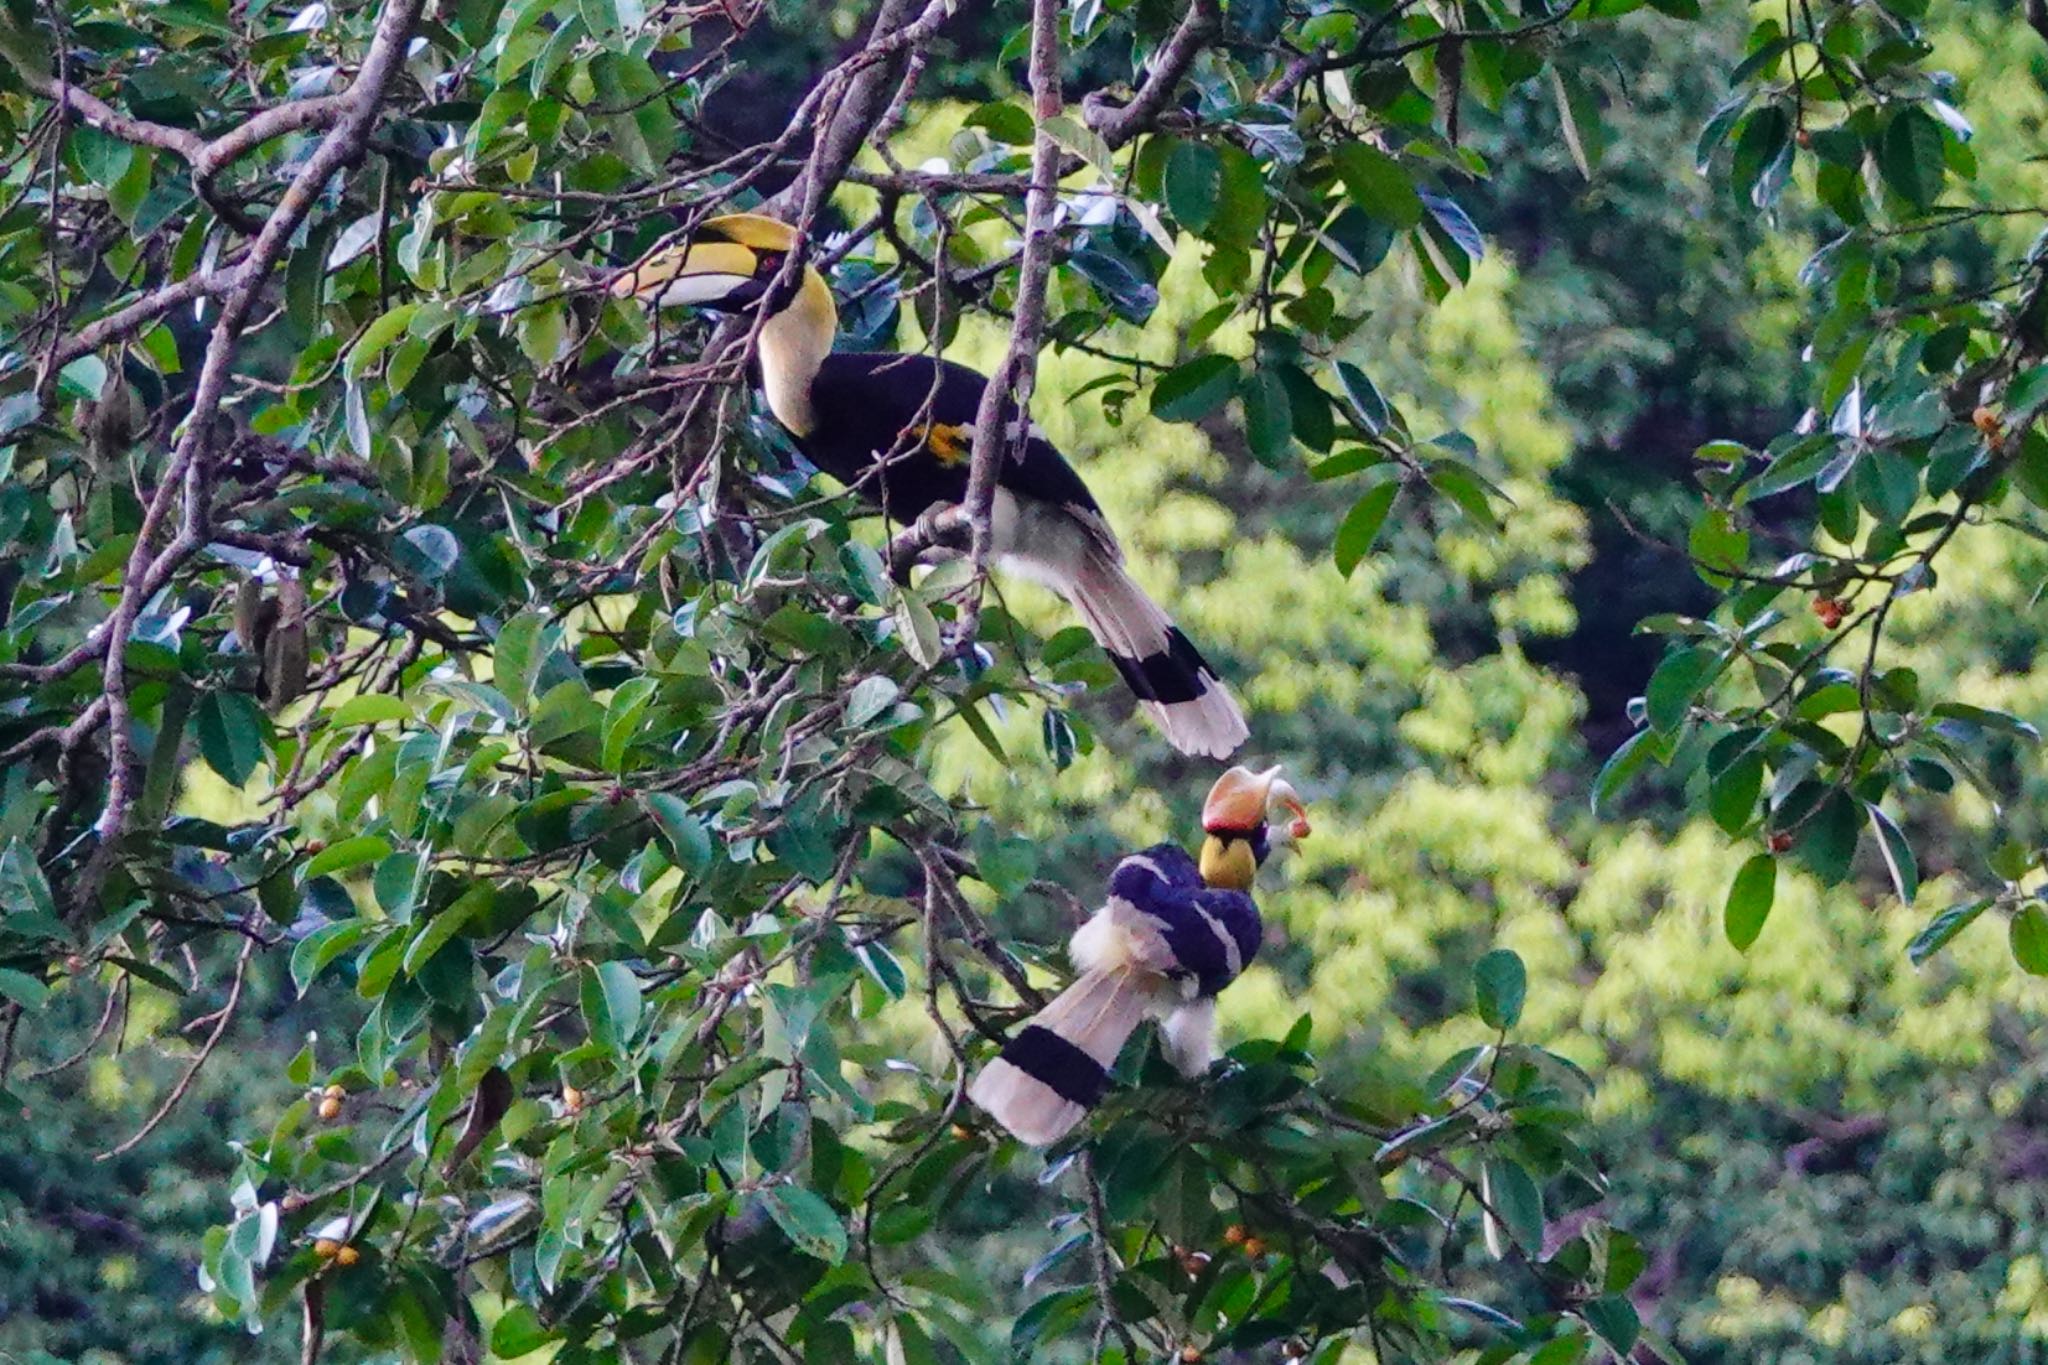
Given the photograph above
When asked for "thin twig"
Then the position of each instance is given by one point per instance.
(222, 1019)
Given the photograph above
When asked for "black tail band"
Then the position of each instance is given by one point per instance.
(1176, 673)
(1054, 1062)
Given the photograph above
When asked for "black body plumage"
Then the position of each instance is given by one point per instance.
(877, 413)
(872, 404)
(1214, 932)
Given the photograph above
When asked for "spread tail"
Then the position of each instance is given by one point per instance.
(1172, 680)
(1056, 1068)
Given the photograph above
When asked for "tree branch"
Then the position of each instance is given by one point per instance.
(207, 158)
(1118, 124)
(867, 78)
(190, 468)
(1002, 422)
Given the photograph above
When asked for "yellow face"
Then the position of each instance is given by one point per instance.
(1227, 862)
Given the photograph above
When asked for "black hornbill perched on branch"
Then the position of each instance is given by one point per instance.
(897, 428)
(1174, 931)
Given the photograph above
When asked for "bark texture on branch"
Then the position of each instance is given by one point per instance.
(1009, 388)
(187, 482)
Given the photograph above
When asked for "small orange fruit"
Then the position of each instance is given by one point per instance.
(1255, 1247)
(1190, 1355)
(330, 1108)
(1235, 1234)
(1780, 841)
(347, 1256)
(1830, 611)
(326, 1248)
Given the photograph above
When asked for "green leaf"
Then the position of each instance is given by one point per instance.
(629, 703)
(434, 935)
(1268, 418)
(1241, 210)
(870, 698)
(611, 1004)
(918, 629)
(1007, 123)
(1732, 792)
(371, 710)
(1913, 157)
(1898, 854)
(347, 853)
(381, 332)
(1048, 1319)
(1827, 840)
(1500, 983)
(2026, 395)
(1715, 132)
(688, 841)
(1678, 679)
(1614, 1318)
(1944, 927)
(1361, 526)
(518, 1332)
(1765, 136)
(1190, 392)
(1718, 547)
(24, 990)
(1986, 719)
(516, 656)
(321, 947)
(810, 1223)
(1194, 185)
(1749, 901)
(1621, 765)
(1463, 486)
(1378, 184)
(1511, 1197)
(232, 730)
(1368, 409)
(24, 891)
(2029, 936)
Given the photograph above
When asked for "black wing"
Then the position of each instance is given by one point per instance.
(1213, 933)
(871, 403)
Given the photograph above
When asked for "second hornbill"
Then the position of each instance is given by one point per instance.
(897, 429)
(1174, 931)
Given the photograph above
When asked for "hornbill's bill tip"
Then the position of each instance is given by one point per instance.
(1243, 800)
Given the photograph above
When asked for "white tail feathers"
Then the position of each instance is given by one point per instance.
(1056, 1067)
(1188, 1037)
(1172, 680)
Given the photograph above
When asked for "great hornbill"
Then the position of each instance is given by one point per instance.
(1173, 933)
(897, 428)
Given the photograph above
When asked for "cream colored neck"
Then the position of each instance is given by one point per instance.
(794, 343)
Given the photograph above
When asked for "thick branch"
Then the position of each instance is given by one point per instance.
(1119, 124)
(1008, 395)
(868, 78)
(189, 473)
(105, 117)
(208, 158)
(125, 321)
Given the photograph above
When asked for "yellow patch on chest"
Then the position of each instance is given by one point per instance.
(949, 445)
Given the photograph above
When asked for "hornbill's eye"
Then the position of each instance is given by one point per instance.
(768, 263)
